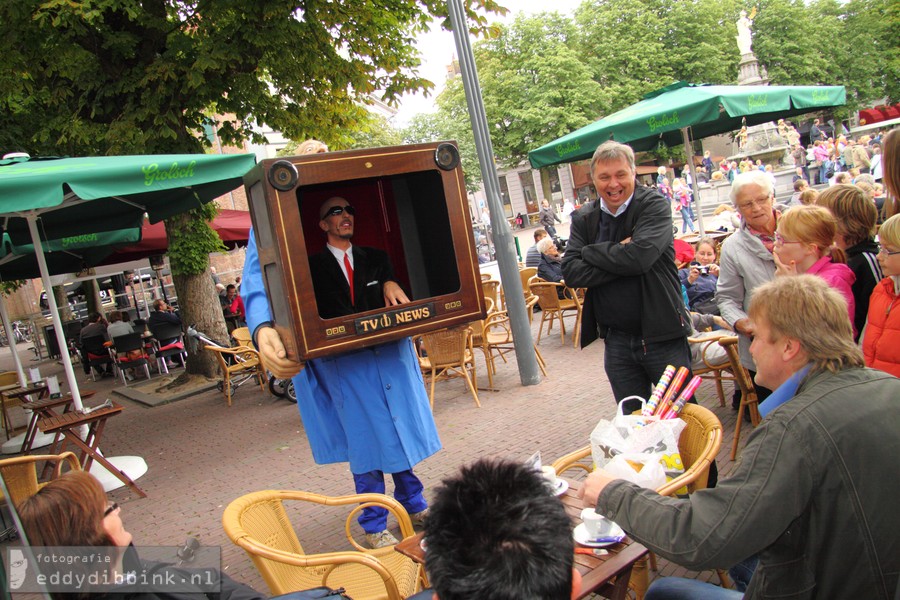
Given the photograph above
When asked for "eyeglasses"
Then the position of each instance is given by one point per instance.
(110, 509)
(336, 210)
(758, 203)
(887, 252)
(779, 239)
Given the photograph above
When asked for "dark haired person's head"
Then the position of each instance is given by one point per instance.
(94, 317)
(158, 304)
(495, 532)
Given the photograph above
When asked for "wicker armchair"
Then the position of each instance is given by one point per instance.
(449, 351)
(698, 445)
(749, 400)
(20, 473)
(496, 337)
(237, 365)
(712, 369)
(259, 523)
(553, 307)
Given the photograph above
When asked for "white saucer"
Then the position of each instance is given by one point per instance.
(560, 487)
(581, 536)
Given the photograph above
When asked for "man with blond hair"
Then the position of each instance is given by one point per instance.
(811, 496)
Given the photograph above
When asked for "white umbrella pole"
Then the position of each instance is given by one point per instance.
(4, 315)
(689, 152)
(54, 310)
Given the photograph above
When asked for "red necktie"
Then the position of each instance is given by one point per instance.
(349, 276)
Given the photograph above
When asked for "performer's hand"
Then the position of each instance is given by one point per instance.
(274, 355)
(393, 294)
(594, 485)
(626, 240)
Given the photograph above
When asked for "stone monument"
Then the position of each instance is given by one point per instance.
(764, 141)
(749, 71)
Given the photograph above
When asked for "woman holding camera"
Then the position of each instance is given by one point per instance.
(701, 278)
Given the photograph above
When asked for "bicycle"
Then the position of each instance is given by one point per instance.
(279, 387)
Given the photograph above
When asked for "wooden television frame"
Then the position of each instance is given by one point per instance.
(410, 201)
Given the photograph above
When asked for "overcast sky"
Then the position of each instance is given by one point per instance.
(438, 49)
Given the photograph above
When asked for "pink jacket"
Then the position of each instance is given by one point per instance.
(820, 152)
(840, 277)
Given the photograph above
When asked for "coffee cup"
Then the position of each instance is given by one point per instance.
(595, 524)
(549, 475)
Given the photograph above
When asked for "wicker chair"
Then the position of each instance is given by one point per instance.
(496, 336)
(553, 307)
(710, 369)
(749, 400)
(20, 473)
(525, 274)
(237, 365)
(449, 351)
(259, 523)
(491, 289)
(698, 445)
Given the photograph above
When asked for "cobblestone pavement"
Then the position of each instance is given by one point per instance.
(203, 454)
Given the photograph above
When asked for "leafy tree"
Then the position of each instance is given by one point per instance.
(450, 122)
(128, 76)
(375, 131)
(534, 85)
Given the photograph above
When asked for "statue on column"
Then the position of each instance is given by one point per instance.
(745, 35)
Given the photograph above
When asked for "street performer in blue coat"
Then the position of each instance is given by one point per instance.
(367, 407)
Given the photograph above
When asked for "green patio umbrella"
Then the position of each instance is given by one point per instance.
(683, 111)
(54, 199)
(664, 116)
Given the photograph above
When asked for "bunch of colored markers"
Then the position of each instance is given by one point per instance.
(666, 402)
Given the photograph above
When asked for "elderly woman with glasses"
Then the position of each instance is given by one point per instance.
(72, 516)
(746, 260)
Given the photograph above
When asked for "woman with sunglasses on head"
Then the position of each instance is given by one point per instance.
(881, 339)
(72, 513)
(804, 243)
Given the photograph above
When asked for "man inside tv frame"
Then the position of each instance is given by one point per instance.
(346, 418)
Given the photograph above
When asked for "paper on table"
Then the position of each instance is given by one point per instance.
(53, 386)
(34, 374)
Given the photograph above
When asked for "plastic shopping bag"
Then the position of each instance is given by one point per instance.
(636, 434)
(644, 470)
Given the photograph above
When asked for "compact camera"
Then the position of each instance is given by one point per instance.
(704, 269)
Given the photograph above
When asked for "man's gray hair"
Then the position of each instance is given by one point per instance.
(544, 245)
(755, 176)
(611, 151)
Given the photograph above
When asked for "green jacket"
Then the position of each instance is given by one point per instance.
(814, 496)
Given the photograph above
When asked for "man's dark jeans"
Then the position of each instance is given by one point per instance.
(634, 366)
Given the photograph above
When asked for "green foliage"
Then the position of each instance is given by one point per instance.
(450, 122)
(121, 76)
(374, 131)
(535, 87)
(9, 287)
(192, 240)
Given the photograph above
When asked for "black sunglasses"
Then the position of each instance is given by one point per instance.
(110, 508)
(336, 210)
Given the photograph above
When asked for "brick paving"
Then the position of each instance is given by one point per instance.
(203, 454)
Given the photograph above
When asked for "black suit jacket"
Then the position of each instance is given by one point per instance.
(371, 268)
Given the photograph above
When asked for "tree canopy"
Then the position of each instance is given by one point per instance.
(546, 75)
(150, 76)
